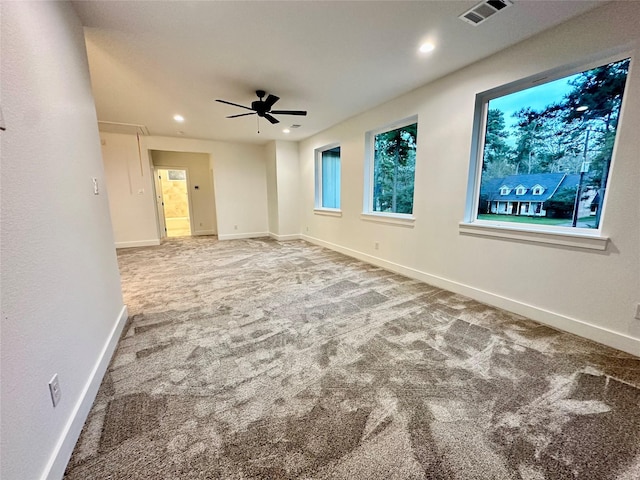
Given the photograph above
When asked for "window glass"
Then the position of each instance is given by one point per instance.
(394, 164)
(328, 178)
(177, 175)
(548, 148)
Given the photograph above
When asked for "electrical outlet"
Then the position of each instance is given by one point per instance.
(54, 389)
(235, 227)
(376, 245)
(638, 311)
(95, 186)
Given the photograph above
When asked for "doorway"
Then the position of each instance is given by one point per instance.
(173, 193)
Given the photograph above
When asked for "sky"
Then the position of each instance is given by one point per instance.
(536, 97)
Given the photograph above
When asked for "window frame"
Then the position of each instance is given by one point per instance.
(368, 214)
(318, 193)
(590, 238)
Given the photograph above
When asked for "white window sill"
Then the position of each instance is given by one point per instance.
(389, 218)
(329, 212)
(568, 239)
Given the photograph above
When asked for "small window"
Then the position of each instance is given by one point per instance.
(391, 155)
(556, 136)
(177, 175)
(328, 177)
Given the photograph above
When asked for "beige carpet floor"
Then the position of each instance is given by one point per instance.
(257, 359)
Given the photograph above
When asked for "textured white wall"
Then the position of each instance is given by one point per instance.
(130, 186)
(240, 182)
(590, 293)
(288, 179)
(239, 185)
(59, 280)
(202, 200)
(272, 187)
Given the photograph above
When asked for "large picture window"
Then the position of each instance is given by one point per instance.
(545, 150)
(393, 155)
(328, 178)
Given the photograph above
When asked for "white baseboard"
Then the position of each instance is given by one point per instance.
(198, 233)
(284, 238)
(598, 334)
(236, 236)
(62, 453)
(138, 243)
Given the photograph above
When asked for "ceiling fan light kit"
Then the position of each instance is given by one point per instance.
(262, 108)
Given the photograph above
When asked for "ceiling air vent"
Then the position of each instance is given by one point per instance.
(484, 10)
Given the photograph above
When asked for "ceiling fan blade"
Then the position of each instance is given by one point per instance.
(234, 104)
(271, 119)
(289, 112)
(241, 115)
(271, 99)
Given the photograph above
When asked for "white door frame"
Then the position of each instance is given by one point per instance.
(161, 217)
(161, 225)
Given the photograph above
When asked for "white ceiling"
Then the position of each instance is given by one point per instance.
(151, 60)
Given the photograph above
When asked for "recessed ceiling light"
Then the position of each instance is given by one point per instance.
(427, 47)
(582, 108)
(178, 118)
(286, 130)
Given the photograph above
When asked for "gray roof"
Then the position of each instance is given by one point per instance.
(551, 182)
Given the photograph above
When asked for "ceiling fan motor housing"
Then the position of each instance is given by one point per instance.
(259, 107)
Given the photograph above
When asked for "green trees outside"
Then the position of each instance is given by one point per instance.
(562, 202)
(578, 128)
(497, 153)
(394, 170)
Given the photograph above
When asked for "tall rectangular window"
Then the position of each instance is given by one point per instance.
(545, 150)
(328, 178)
(392, 172)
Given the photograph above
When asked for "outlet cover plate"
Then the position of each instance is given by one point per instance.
(54, 389)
